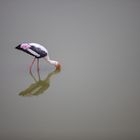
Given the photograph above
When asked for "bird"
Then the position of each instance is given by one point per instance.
(37, 51)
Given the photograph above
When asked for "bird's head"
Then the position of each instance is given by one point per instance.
(58, 66)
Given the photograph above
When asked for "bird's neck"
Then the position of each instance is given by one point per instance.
(56, 63)
(52, 61)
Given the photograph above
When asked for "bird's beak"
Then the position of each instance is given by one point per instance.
(58, 66)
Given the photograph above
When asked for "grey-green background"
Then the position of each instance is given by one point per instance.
(97, 93)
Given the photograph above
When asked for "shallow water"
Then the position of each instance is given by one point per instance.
(96, 95)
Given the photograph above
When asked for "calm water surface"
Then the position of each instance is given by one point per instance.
(96, 95)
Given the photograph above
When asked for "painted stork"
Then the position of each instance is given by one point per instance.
(38, 51)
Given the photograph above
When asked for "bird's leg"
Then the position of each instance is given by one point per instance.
(33, 77)
(38, 69)
(32, 65)
(38, 65)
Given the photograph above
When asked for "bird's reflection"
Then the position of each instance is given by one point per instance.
(39, 86)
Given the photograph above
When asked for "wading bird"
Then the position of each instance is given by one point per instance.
(38, 51)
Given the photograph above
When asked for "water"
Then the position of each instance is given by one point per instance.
(96, 95)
